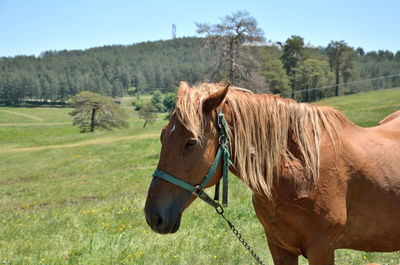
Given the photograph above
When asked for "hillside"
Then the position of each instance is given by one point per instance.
(108, 70)
(117, 70)
(366, 109)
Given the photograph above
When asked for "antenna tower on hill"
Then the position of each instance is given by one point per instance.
(173, 31)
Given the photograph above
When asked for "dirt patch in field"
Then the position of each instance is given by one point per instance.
(23, 114)
(34, 124)
(83, 143)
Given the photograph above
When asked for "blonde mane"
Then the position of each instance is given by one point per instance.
(263, 127)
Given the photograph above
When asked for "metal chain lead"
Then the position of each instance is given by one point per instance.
(220, 211)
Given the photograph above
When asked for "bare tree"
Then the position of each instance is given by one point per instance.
(234, 61)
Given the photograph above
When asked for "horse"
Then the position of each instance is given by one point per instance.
(319, 182)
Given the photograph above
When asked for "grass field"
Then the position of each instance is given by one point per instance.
(72, 198)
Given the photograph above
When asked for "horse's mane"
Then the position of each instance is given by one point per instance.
(264, 126)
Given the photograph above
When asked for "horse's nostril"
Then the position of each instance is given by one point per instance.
(157, 219)
(162, 225)
(162, 219)
(154, 219)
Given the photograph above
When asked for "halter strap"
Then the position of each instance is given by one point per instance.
(223, 152)
(183, 184)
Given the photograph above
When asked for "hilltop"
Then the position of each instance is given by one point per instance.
(118, 70)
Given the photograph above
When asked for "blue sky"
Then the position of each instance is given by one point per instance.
(32, 26)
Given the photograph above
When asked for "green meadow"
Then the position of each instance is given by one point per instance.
(73, 198)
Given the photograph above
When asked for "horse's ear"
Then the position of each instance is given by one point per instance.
(215, 99)
(183, 86)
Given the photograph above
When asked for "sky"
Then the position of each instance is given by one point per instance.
(30, 27)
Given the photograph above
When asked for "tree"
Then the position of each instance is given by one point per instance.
(117, 89)
(273, 71)
(169, 103)
(360, 51)
(312, 73)
(139, 81)
(397, 56)
(95, 111)
(293, 52)
(148, 113)
(228, 38)
(341, 61)
(156, 101)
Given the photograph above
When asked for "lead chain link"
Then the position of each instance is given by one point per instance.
(241, 239)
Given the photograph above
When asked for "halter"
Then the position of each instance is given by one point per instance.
(198, 191)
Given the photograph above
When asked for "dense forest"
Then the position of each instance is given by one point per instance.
(56, 76)
(109, 70)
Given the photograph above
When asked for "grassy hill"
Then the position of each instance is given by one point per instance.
(367, 108)
(72, 198)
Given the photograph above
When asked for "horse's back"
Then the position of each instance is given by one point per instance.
(389, 127)
(394, 116)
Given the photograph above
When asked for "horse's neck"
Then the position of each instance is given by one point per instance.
(289, 141)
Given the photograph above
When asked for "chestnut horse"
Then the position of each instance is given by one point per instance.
(319, 182)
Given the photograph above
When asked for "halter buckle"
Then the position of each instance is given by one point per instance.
(197, 191)
(222, 140)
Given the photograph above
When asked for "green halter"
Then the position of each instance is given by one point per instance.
(198, 191)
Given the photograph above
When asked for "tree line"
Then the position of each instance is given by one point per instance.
(311, 73)
(226, 52)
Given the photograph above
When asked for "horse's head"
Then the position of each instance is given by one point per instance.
(185, 155)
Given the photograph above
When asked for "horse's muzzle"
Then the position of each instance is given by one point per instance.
(164, 206)
(162, 224)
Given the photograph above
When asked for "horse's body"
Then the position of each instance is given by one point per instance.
(326, 183)
(355, 204)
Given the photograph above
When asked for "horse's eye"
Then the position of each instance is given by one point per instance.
(190, 143)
